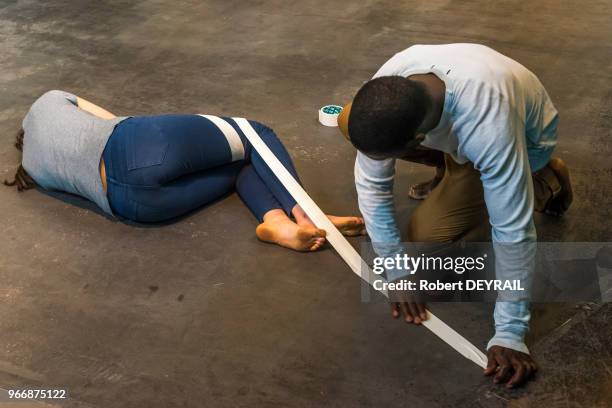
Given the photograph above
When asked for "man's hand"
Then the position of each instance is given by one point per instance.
(413, 312)
(408, 303)
(509, 366)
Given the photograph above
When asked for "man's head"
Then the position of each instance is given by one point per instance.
(385, 116)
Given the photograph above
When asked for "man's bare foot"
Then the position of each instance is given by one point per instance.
(349, 226)
(282, 231)
(420, 191)
(561, 203)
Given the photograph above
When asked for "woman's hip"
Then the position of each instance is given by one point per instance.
(152, 150)
(150, 204)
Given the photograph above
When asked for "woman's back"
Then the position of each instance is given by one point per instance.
(63, 146)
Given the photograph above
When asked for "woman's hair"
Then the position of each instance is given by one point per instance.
(22, 179)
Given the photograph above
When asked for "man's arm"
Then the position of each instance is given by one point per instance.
(374, 182)
(501, 157)
(508, 193)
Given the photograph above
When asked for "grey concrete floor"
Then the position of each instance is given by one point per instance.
(201, 314)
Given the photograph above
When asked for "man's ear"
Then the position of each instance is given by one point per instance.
(343, 120)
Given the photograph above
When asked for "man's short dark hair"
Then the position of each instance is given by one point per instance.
(386, 113)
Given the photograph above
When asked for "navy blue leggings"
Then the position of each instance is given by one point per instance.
(162, 167)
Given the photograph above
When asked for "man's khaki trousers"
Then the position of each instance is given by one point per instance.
(455, 210)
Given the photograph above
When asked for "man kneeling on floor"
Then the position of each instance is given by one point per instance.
(489, 127)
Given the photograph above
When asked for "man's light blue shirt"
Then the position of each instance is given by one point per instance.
(498, 116)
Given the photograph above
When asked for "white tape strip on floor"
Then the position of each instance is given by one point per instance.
(344, 248)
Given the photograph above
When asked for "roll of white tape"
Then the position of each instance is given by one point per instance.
(328, 115)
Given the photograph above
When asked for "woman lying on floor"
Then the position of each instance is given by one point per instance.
(155, 168)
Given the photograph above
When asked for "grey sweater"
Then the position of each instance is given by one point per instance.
(63, 145)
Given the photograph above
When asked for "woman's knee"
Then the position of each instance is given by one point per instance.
(271, 140)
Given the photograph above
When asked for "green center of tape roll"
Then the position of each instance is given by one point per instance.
(332, 109)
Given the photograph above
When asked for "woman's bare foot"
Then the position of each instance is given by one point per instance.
(278, 229)
(349, 226)
(561, 203)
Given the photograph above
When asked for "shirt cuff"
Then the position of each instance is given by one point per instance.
(508, 340)
(394, 274)
(391, 251)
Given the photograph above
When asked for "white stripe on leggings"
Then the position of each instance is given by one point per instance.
(233, 139)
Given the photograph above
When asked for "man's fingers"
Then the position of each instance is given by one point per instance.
(406, 311)
(395, 313)
(502, 374)
(520, 373)
(422, 311)
(415, 312)
(491, 364)
(510, 367)
(504, 369)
